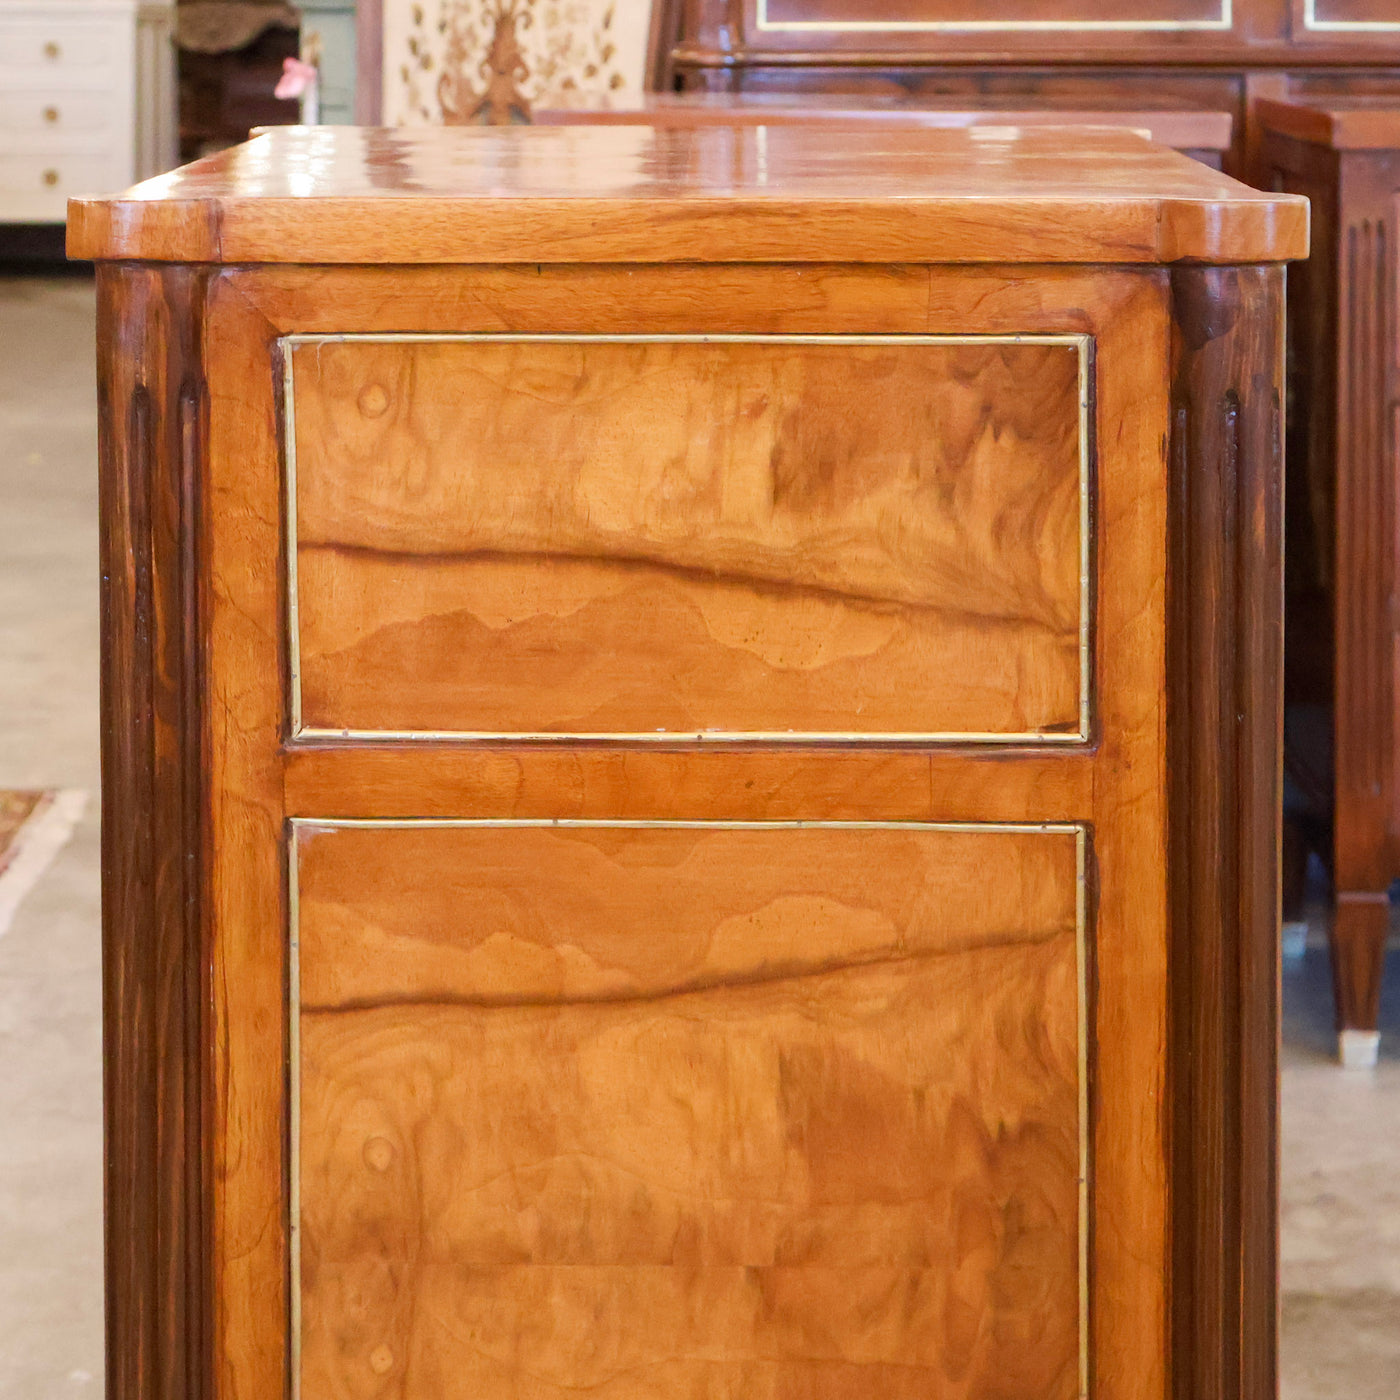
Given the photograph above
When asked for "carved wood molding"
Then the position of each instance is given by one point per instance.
(1225, 661)
(155, 995)
(1365, 473)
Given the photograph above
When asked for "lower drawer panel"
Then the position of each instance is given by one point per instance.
(688, 1109)
(38, 185)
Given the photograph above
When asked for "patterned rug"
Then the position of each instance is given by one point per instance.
(33, 829)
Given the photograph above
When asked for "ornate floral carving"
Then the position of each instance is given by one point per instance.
(452, 61)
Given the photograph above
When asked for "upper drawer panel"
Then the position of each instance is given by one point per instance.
(662, 538)
(51, 54)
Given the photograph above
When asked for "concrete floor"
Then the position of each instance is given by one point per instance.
(50, 990)
(1341, 1161)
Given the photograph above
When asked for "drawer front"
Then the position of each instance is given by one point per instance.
(60, 122)
(38, 184)
(762, 537)
(659, 1109)
(42, 53)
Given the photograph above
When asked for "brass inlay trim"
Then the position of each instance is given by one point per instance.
(294, 1112)
(1339, 26)
(1225, 20)
(1081, 952)
(295, 826)
(300, 732)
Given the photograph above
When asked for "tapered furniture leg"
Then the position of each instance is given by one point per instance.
(1358, 955)
(1344, 465)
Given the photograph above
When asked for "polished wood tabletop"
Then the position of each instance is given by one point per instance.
(755, 194)
(1183, 130)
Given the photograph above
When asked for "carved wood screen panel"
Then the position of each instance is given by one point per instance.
(435, 52)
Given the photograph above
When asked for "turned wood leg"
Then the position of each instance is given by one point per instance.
(1358, 954)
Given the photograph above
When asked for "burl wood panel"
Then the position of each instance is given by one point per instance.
(1117, 782)
(696, 1109)
(777, 536)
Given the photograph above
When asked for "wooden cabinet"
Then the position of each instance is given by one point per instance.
(1067, 55)
(1204, 136)
(691, 738)
(1344, 466)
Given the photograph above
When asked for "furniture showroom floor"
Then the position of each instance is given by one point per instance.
(1341, 1186)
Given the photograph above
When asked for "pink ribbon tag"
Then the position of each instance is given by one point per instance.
(296, 78)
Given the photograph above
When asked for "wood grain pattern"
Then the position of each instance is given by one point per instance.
(617, 911)
(821, 1130)
(242, 708)
(155, 1020)
(255, 782)
(1118, 782)
(654, 538)
(1225, 737)
(1199, 134)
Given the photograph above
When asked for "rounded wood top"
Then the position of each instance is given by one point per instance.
(710, 194)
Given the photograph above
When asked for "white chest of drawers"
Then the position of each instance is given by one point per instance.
(87, 101)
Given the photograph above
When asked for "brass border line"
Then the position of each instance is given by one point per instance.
(295, 825)
(1086, 594)
(684, 824)
(721, 737)
(1336, 26)
(299, 733)
(289, 487)
(1225, 21)
(294, 1110)
(1081, 954)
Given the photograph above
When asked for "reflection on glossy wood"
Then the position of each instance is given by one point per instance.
(1201, 134)
(635, 194)
(706, 1110)
(660, 537)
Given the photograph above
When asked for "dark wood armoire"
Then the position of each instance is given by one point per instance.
(1210, 55)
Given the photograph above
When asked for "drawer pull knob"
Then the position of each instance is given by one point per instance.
(50, 115)
(51, 177)
(52, 50)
